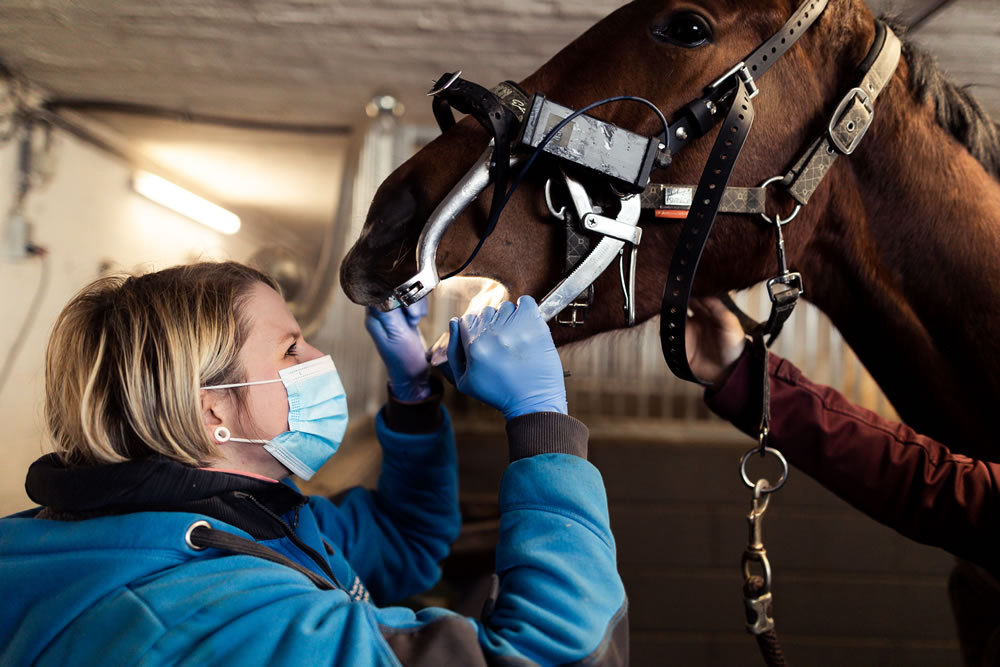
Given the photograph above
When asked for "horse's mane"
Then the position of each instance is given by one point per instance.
(954, 108)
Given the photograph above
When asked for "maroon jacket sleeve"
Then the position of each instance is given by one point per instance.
(885, 469)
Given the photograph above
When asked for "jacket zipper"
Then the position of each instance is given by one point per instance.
(305, 548)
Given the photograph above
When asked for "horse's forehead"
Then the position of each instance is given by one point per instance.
(731, 18)
(621, 45)
(715, 9)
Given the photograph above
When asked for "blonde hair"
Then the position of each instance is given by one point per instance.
(128, 354)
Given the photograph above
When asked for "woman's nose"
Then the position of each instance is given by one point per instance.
(309, 352)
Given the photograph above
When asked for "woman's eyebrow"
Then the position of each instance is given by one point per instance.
(291, 335)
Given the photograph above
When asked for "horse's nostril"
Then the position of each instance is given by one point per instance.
(390, 216)
(393, 222)
(361, 284)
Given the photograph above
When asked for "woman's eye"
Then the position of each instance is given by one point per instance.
(688, 30)
(292, 350)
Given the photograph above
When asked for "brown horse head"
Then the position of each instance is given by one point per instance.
(897, 246)
(665, 51)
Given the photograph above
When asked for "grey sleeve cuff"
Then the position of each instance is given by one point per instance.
(546, 433)
(417, 416)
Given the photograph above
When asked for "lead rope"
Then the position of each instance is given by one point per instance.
(757, 587)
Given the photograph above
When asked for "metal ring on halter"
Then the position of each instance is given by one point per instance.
(558, 215)
(767, 450)
(778, 220)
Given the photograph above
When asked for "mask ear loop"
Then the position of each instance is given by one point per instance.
(224, 435)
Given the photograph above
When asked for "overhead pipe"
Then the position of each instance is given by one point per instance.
(372, 154)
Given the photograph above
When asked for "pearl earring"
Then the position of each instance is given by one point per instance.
(222, 434)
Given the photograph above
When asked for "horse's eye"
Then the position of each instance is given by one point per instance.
(686, 29)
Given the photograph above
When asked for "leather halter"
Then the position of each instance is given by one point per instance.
(697, 118)
(848, 125)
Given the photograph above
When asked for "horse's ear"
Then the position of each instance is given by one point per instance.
(687, 29)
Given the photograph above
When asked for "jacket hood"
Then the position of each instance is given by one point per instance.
(129, 486)
(122, 523)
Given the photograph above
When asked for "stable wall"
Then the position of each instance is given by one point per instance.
(88, 217)
(847, 590)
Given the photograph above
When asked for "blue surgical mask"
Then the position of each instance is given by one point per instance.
(317, 416)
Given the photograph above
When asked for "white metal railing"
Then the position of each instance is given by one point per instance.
(623, 373)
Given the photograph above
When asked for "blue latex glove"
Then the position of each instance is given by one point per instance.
(398, 342)
(505, 357)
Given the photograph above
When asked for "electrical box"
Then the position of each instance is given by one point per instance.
(623, 156)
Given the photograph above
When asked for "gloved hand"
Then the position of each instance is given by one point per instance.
(505, 357)
(398, 342)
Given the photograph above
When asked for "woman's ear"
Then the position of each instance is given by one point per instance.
(213, 407)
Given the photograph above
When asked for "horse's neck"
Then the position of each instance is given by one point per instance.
(907, 263)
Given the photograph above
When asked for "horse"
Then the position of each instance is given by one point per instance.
(898, 244)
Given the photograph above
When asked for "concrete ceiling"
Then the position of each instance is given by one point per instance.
(318, 62)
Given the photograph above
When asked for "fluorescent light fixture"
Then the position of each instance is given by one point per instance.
(186, 203)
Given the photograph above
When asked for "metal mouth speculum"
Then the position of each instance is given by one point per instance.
(461, 196)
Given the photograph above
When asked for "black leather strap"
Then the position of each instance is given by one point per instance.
(694, 233)
(782, 305)
(760, 380)
(748, 323)
(499, 114)
(450, 91)
(881, 32)
(577, 247)
(781, 309)
(210, 538)
(763, 58)
(698, 117)
(471, 98)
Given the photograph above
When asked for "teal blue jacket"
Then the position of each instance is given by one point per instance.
(120, 583)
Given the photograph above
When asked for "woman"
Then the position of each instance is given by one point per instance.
(168, 531)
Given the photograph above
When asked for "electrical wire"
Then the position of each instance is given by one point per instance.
(29, 318)
(495, 217)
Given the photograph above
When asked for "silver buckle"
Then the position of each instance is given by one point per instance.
(574, 308)
(743, 73)
(857, 132)
(787, 282)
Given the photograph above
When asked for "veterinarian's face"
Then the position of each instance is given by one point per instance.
(274, 343)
